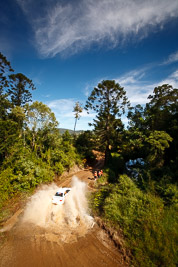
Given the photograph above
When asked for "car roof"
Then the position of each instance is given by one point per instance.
(63, 189)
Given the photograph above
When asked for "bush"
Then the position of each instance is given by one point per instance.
(129, 206)
(58, 168)
(117, 163)
(149, 227)
(168, 192)
(111, 175)
(22, 171)
(6, 188)
(99, 198)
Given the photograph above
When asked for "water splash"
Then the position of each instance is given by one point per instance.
(70, 220)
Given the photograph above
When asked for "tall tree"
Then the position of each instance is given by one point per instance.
(162, 115)
(153, 134)
(42, 124)
(19, 90)
(136, 117)
(109, 101)
(77, 110)
(85, 144)
(5, 69)
(162, 108)
(9, 135)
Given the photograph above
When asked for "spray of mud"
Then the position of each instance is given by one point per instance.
(64, 222)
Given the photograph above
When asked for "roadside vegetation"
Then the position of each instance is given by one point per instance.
(137, 193)
(149, 227)
(32, 150)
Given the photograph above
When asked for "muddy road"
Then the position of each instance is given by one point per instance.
(48, 235)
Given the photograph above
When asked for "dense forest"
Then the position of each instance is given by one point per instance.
(137, 193)
(32, 150)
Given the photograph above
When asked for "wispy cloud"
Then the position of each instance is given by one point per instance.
(171, 79)
(71, 26)
(171, 59)
(138, 88)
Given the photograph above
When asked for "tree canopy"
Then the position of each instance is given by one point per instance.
(109, 101)
(19, 89)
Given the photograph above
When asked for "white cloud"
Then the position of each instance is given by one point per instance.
(139, 89)
(71, 26)
(171, 59)
(171, 79)
(87, 90)
(136, 87)
(132, 77)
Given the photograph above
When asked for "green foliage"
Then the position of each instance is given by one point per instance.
(27, 171)
(111, 175)
(9, 134)
(133, 144)
(5, 67)
(150, 229)
(19, 89)
(162, 115)
(162, 108)
(58, 168)
(66, 137)
(126, 194)
(109, 101)
(18, 115)
(103, 180)
(32, 150)
(136, 117)
(23, 170)
(98, 200)
(153, 134)
(168, 192)
(6, 189)
(158, 141)
(117, 163)
(85, 143)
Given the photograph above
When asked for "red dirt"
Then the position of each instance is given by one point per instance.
(31, 245)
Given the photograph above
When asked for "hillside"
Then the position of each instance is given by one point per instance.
(62, 130)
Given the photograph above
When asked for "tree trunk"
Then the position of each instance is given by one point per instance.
(107, 155)
(75, 125)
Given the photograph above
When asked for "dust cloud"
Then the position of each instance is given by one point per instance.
(64, 222)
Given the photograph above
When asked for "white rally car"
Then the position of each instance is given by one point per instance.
(59, 197)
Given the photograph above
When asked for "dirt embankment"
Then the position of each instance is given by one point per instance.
(44, 235)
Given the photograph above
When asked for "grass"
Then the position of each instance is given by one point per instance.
(150, 228)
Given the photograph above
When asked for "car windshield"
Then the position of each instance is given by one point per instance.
(58, 194)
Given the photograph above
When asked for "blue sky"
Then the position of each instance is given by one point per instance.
(68, 46)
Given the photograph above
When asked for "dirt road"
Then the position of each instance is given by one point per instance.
(60, 244)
